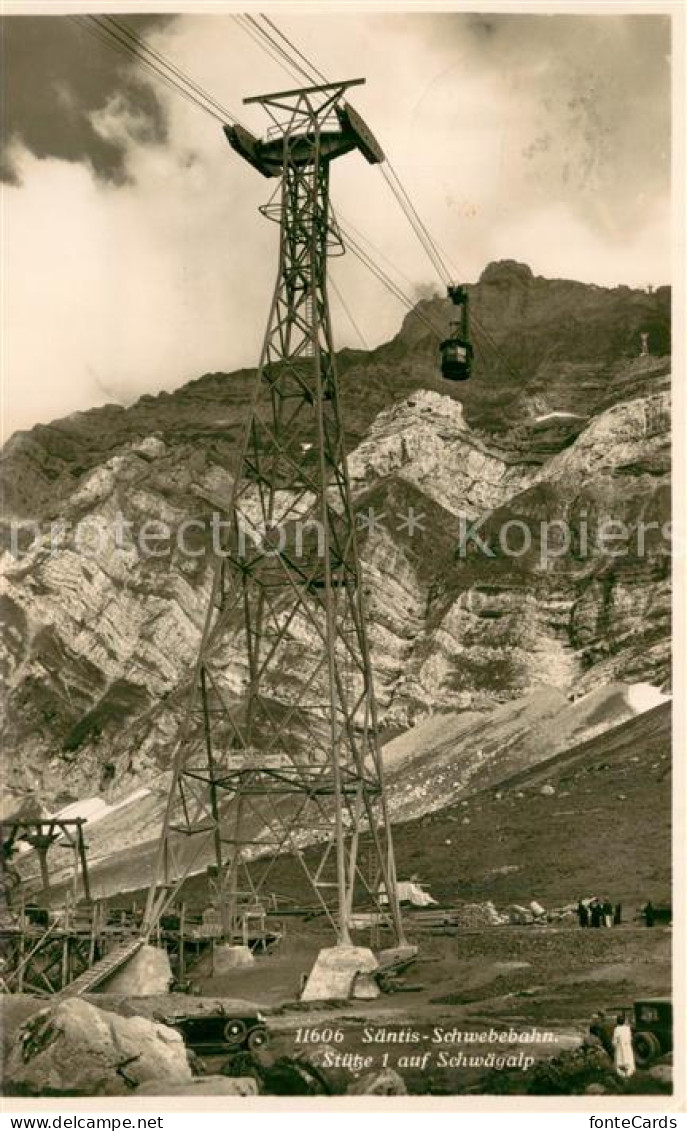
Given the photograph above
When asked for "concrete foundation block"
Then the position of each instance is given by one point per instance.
(147, 972)
(336, 972)
(228, 958)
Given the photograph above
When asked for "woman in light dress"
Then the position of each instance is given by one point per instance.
(623, 1053)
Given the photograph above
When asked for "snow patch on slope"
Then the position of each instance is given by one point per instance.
(94, 809)
(643, 696)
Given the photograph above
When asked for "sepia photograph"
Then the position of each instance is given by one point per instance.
(338, 555)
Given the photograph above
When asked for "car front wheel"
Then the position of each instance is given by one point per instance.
(256, 1039)
(647, 1047)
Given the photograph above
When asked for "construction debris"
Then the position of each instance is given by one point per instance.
(472, 915)
(410, 891)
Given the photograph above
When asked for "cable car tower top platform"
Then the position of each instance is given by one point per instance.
(311, 109)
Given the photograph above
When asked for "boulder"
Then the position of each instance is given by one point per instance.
(384, 1083)
(321, 1057)
(75, 1049)
(15, 1011)
(246, 1064)
(290, 1077)
(202, 1086)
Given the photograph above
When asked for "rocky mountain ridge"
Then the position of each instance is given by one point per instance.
(563, 421)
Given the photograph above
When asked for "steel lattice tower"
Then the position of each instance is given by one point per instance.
(278, 752)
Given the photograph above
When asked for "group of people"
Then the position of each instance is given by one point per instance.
(596, 912)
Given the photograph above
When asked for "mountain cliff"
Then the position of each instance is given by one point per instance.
(565, 422)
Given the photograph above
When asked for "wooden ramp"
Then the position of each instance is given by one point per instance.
(97, 973)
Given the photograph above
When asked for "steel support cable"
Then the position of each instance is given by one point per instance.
(118, 42)
(415, 225)
(513, 370)
(123, 47)
(376, 270)
(168, 76)
(373, 249)
(142, 45)
(257, 38)
(429, 242)
(365, 257)
(293, 47)
(289, 61)
(418, 232)
(349, 314)
(386, 281)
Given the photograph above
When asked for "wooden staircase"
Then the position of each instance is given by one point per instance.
(102, 969)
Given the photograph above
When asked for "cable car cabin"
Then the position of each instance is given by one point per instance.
(456, 351)
(456, 359)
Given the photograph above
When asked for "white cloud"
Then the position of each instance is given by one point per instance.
(556, 243)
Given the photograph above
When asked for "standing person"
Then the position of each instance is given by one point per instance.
(582, 913)
(618, 915)
(649, 914)
(607, 911)
(595, 912)
(623, 1053)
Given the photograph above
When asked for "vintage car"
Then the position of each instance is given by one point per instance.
(651, 1020)
(234, 1026)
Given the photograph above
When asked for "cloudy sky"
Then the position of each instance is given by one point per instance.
(134, 256)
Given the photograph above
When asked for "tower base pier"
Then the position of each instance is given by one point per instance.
(342, 972)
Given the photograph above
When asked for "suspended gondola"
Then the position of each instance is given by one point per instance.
(456, 352)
